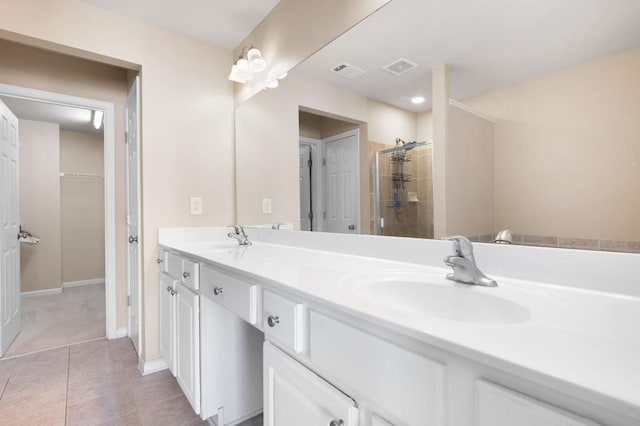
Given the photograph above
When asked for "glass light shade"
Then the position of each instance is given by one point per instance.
(256, 60)
(242, 70)
(233, 75)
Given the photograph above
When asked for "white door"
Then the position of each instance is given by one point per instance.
(305, 188)
(188, 344)
(342, 183)
(294, 395)
(10, 217)
(168, 322)
(133, 213)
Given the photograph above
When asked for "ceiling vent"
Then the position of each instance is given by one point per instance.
(347, 70)
(400, 66)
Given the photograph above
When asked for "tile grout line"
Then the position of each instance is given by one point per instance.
(66, 395)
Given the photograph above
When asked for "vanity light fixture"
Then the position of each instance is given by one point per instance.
(97, 119)
(417, 100)
(250, 61)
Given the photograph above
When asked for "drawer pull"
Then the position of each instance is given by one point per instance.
(217, 290)
(339, 422)
(186, 275)
(272, 321)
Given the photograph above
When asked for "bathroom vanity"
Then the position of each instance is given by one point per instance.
(326, 329)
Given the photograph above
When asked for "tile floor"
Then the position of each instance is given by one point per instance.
(92, 383)
(75, 315)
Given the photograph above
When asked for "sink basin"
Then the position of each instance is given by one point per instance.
(413, 294)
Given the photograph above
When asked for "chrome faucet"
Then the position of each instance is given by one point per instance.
(464, 264)
(277, 225)
(239, 235)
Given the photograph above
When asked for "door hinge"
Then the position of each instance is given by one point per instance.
(324, 161)
(324, 215)
(310, 215)
(126, 137)
(128, 300)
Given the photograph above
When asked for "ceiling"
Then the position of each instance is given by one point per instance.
(489, 44)
(69, 118)
(223, 23)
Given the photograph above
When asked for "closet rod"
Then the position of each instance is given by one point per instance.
(92, 175)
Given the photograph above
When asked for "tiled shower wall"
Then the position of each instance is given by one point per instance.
(412, 219)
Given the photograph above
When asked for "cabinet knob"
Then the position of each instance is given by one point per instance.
(217, 290)
(186, 274)
(169, 289)
(272, 321)
(173, 292)
(159, 260)
(133, 239)
(338, 422)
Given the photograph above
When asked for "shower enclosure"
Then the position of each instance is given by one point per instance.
(403, 190)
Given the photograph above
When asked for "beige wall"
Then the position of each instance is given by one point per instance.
(470, 174)
(424, 126)
(39, 157)
(82, 206)
(186, 121)
(566, 151)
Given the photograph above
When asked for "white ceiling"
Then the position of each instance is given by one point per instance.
(223, 23)
(489, 44)
(69, 118)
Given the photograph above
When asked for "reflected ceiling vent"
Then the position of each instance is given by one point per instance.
(400, 66)
(347, 70)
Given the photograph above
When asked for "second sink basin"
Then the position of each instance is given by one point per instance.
(413, 293)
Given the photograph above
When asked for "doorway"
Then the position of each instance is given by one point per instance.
(85, 182)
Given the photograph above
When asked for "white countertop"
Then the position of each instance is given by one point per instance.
(584, 341)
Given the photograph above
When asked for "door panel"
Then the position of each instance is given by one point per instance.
(9, 229)
(341, 178)
(305, 188)
(294, 395)
(133, 213)
(188, 344)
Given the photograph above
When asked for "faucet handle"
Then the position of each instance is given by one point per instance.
(236, 228)
(461, 245)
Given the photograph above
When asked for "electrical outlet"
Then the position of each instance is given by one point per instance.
(266, 205)
(196, 206)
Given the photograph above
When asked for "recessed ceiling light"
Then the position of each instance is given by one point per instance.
(417, 100)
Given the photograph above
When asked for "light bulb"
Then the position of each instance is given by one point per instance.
(256, 60)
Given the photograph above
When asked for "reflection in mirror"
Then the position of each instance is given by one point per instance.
(543, 140)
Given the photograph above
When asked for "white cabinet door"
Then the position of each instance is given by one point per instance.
(167, 322)
(188, 344)
(294, 395)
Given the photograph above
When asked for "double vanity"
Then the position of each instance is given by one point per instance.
(326, 329)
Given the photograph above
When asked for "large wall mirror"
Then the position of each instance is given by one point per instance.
(541, 135)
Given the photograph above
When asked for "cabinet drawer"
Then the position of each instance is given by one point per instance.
(163, 260)
(232, 293)
(190, 274)
(498, 406)
(284, 321)
(173, 266)
(407, 387)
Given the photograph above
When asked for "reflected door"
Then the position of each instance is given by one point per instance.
(305, 188)
(341, 183)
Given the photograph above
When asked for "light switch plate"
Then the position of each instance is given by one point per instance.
(196, 206)
(266, 205)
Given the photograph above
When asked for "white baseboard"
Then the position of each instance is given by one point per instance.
(122, 332)
(148, 367)
(83, 282)
(45, 292)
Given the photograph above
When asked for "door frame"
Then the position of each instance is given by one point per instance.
(109, 182)
(135, 86)
(355, 133)
(317, 180)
